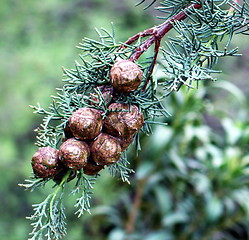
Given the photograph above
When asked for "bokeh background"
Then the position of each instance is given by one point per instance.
(191, 178)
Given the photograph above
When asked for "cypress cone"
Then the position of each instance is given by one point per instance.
(125, 75)
(105, 149)
(74, 153)
(124, 120)
(86, 123)
(92, 167)
(45, 162)
(125, 142)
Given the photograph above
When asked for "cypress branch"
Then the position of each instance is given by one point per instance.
(190, 56)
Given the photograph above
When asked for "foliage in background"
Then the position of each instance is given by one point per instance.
(22, 79)
(194, 176)
(186, 58)
(30, 71)
(197, 189)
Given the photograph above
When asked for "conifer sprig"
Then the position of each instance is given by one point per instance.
(121, 169)
(190, 56)
(83, 186)
(48, 219)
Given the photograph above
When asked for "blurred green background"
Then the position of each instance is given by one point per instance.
(192, 176)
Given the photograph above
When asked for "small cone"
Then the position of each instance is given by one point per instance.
(105, 149)
(125, 76)
(74, 154)
(86, 123)
(124, 120)
(125, 142)
(45, 162)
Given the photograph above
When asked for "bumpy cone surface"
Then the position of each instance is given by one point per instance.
(92, 167)
(105, 149)
(125, 76)
(124, 120)
(105, 96)
(85, 123)
(74, 153)
(45, 162)
(125, 142)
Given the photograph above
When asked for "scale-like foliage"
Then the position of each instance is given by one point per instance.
(203, 32)
(201, 40)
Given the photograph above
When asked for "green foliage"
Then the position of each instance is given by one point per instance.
(76, 93)
(192, 177)
(192, 54)
(189, 57)
(37, 38)
(48, 219)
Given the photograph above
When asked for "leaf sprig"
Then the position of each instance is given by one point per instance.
(48, 219)
(200, 28)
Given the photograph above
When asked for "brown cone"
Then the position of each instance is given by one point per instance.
(86, 123)
(45, 162)
(74, 153)
(125, 76)
(105, 149)
(124, 120)
(67, 131)
(125, 142)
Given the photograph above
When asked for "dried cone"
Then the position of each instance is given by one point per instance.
(105, 96)
(45, 162)
(92, 167)
(125, 76)
(86, 123)
(125, 142)
(74, 153)
(124, 120)
(105, 149)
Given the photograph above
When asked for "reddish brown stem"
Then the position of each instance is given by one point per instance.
(130, 225)
(231, 9)
(157, 33)
(145, 33)
(156, 50)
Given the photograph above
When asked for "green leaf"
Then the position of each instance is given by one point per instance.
(174, 218)
(158, 235)
(144, 170)
(214, 208)
(117, 234)
(233, 133)
(164, 199)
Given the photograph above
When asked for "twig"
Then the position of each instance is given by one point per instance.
(135, 206)
(231, 9)
(157, 33)
(150, 71)
(145, 33)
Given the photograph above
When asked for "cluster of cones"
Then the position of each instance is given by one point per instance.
(92, 139)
